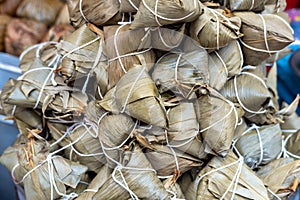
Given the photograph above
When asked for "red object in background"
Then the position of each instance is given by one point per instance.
(292, 4)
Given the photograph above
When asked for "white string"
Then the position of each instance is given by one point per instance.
(116, 48)
(252, 5)
(176, 67)
(289, 131)
(99, 92)
(50, 75)
(258, 50)
(13, 110)
(90, 190)
(265, 33)
(164, 177)
(174, 195)
(131, 89)
(81, 11)
(124, 184)
(52, 155)
(43, 87)
(273, 193)
(13, 172)
(238, 98)
(234, 180)
(223, 63)
(165, 18)
(35, 46)
(156, 11)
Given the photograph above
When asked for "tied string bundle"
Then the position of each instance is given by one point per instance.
(51, 167)
(157, 16)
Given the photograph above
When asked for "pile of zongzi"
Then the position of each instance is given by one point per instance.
(164, 99)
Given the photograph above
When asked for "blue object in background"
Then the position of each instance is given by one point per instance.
(8, 132)
(288, 83)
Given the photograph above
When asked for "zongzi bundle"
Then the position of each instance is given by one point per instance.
(259, 145)
(214, 30)
(227, 178)
(281, 176)
(264, 34)
(164, 12)
(93, 11)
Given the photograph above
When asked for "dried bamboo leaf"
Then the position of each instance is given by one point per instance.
(129, 5)
(44, 11)
(218, 119)
(246, 5)
(274, 7)
(90, 152)
(215, 181)
(35, 173)
(96, 12)
(272, 85)
(114, 131)
(260, 145)
(240, 129)
(102, 177)
(136, 172)
(125, 48)
(108, 102)
(166, 12)
(174, 187)
(168, 37)
(214, 30)
(263, 35)
(291, 120)
(79, 63)
(9, 159)
(61, 100)
(279, 175)
(163, 160)
(181, 73)
(249, 90)
(293, 143)
(137, 95)
(183, 130)
(224, 63)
